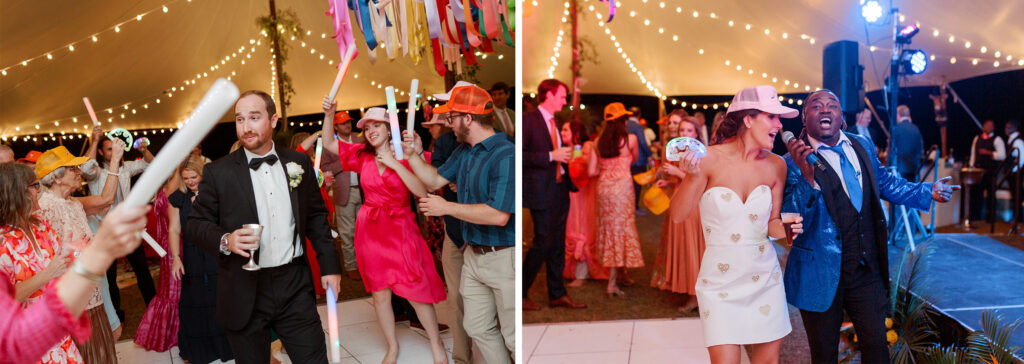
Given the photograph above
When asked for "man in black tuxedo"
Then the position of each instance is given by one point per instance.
(546, 186)
(256, 184)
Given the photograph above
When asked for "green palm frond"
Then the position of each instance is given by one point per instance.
(999, 335)
(977, 348)
(945, 355)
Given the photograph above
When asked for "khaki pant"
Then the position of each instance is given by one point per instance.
(488, 290)
(452, 261)
(346, 220)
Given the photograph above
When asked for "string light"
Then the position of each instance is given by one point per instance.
(128, 105)
(70, 47)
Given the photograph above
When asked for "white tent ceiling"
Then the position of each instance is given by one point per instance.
(683, 47)
(135, 65)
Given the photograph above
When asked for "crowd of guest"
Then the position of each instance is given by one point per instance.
(392, 216)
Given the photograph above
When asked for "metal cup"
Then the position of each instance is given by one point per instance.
(258, 230)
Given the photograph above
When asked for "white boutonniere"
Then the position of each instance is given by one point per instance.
(294, 174)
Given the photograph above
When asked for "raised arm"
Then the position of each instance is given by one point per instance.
(310, 141)
(99, 204)
(425, 173)
(408, 178)
(685, 200)
(329, 141)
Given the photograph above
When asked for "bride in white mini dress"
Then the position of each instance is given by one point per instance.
(738, 187)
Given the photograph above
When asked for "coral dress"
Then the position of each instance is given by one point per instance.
(158, 330)
(20, 262)
(678, 260)
(618, 244)
(581, 225)
(390, 252)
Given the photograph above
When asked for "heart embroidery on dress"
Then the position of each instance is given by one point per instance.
(705, 314)
(704, 280)
(723, 267)
(707, 230)
(726, 197)
(775, 276)
(761, 248)
(765, 309)
(735, 237)
(753, 217)
(723, 295)
(755, 277)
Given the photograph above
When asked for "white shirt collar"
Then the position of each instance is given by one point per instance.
(817, 144)
(250, 155)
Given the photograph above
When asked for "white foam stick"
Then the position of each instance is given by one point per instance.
(411, 115)
(396, 136)
(92, 114)
(214, 104)
(153, 244)
(342, 70)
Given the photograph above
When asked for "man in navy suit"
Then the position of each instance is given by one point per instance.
(840, 263)
(546, 186)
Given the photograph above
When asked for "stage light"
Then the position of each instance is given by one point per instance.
(914, 61)
(906, 33)
(871, 11)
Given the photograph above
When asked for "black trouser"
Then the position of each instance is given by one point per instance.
(548, 248)
(862, 295)
(137, 259)
(285, 302)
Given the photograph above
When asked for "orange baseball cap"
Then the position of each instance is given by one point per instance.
(615, 110)
(342, 117)
(469, 100)
(56, 158)
(31, 157)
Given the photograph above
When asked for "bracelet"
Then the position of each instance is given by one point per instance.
(112, 173)
(80, 270)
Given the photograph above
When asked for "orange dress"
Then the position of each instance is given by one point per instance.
(20, 262)
(618, 244)
(581, 225)
(678, 260)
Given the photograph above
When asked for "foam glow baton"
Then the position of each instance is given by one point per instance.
(214, 104)
(411, 115)
(342, 70)
(332, 325)
(316, 162)
(396, 137)
(92, 114)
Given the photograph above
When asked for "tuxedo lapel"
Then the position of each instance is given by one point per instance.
(245, 181)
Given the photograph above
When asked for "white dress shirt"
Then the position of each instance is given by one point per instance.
(833, 161)
(278, 243)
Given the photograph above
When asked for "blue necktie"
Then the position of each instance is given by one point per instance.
(849, 175)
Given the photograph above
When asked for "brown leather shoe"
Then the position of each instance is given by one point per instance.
(529, 305)
(566, 302)
(353, 275)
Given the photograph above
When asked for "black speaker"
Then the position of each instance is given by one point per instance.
(843, 74)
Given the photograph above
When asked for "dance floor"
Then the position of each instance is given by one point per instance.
(361, 339)
(617, 342)
(971, 273)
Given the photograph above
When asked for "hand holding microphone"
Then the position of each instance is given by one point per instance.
(803, 156)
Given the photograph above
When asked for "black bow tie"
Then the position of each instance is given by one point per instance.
(256, 162)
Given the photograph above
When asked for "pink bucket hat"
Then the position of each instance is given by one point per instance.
(763, 98)
(377, 114)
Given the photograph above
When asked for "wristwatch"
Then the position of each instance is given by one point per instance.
(224, 244)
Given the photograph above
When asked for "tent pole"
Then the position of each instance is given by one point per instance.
(275, 37)
(574, 21)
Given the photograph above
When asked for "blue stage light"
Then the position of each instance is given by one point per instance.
(914, 61)
(871, 11)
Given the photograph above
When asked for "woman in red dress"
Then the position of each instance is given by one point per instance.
(390, 252)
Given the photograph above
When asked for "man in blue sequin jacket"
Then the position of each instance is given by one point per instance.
(840, 262)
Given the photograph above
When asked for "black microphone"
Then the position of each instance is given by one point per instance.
(811, 158)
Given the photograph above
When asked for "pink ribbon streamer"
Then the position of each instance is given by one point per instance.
(342, 26)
